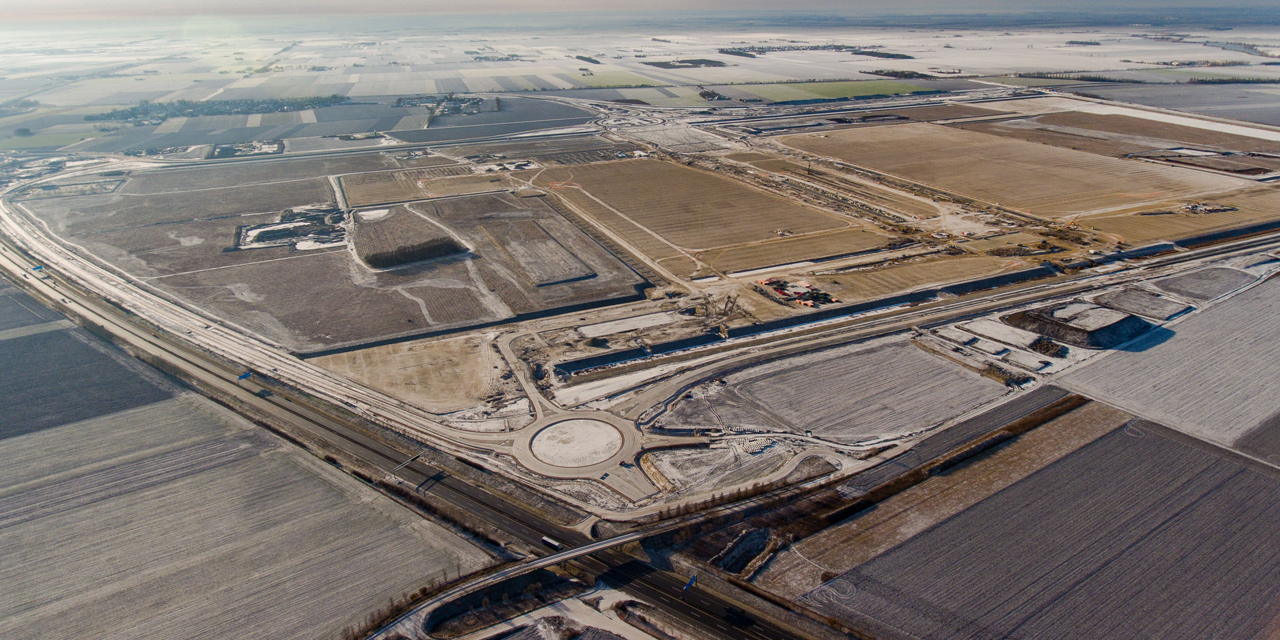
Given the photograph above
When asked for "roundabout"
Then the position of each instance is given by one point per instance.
(591, 445)
(576, 443)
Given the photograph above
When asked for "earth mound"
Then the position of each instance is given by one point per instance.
(1081, 324)
(400, 238)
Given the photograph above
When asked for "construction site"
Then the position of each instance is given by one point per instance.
(854, 352)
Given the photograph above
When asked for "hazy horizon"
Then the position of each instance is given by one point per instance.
(656, 10)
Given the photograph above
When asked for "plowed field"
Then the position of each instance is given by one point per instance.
(1042, 180)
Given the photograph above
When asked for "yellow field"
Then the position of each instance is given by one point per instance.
(440, 376)
(687, 207)
(861, 285)
(1038, 179)
(1257, 204)
(869, 193)
(793, 249)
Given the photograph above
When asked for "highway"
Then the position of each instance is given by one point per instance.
(700, 610)
(713, 615)
(756, 349)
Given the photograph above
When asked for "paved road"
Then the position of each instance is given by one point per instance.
(704, 611)
(745, 351)
(707, 612)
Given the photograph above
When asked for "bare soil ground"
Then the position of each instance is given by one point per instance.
(1253, 204)
(121, 210)
(862, 285)
(441, 376)
(166, 249)
(231, 174)
(491, 225)
(1126, 125)
(1042, 180)
(939, 112)
(543, 260)
(525, 258)
(641, 239)
(688, 207)
(66, 190)
(1142, 302)
(398, 237)
(749, 156)
(875, 195)
(1204, 285)
(312, 301)
(793, 249)
(367, 189)
(1080, 140)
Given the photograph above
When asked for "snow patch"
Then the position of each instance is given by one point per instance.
(374, 214)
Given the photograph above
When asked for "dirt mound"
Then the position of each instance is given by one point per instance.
(401, 238)
(1081, 324)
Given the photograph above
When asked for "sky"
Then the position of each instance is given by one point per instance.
(81, 9)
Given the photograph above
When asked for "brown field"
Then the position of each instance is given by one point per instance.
(681, 266)
(1001, 241)
(878, 118)
(1248, 165)
(1163, 130)
(862, 285)
(690, 208)
(1028, 130)
(383, 187)
(749, 156)
(868, 193)
(1041, 180)
(1116, 135)
(1256, 204)
(793, 249)
(441, 376)
(640, 239)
